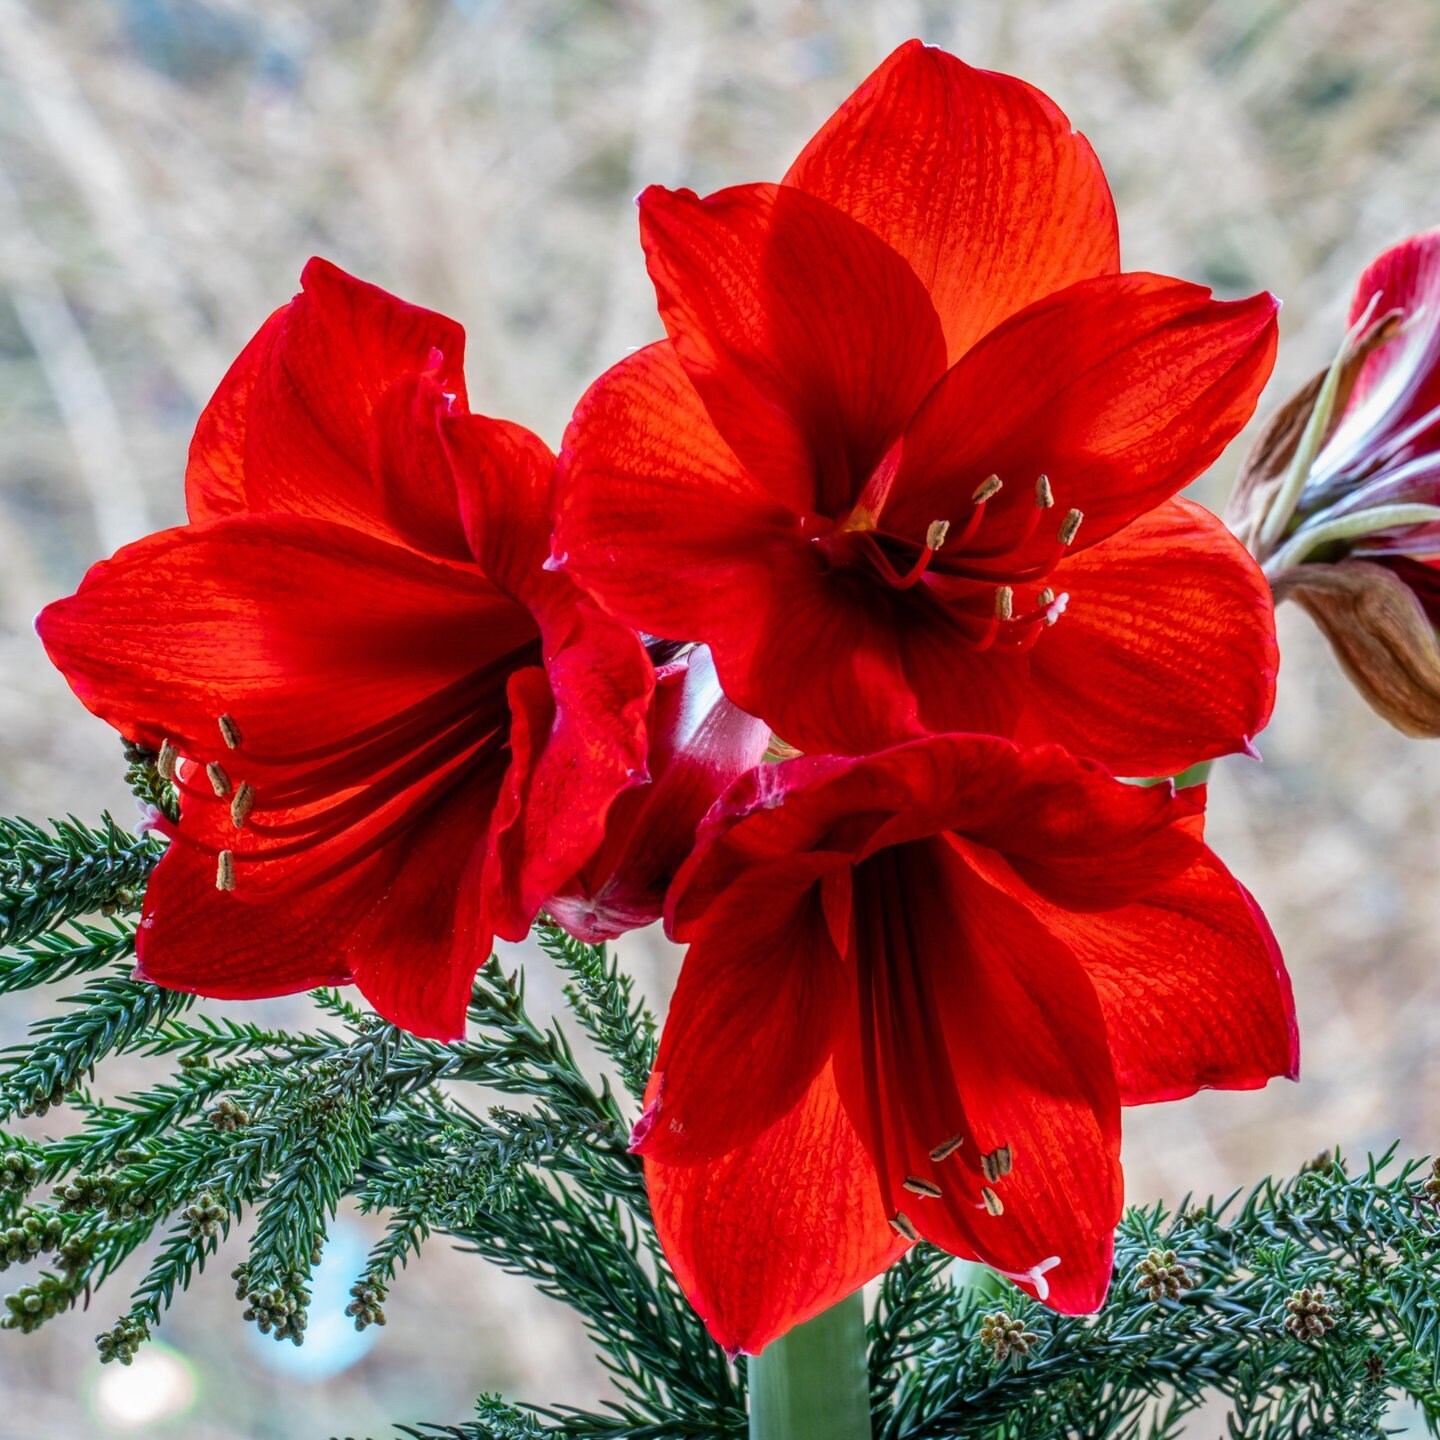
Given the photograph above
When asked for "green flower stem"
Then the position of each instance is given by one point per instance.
(812, 1383)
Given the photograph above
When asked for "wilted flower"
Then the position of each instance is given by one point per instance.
(1340, 497)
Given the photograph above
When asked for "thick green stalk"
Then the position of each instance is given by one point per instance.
(812, 1384)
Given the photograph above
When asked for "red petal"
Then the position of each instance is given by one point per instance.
(307, 632)
(654, 514)
(810, 341)
(753, 1019)
(1007, 1048)
(1400, 382)
(778, 1230)
(504, 475)
(297, 423)
(1166, 653)
(405, 925)
(1121, 389)
(577, 742)
(977, 179)
(698, 744)
(1192, 984)
(1075, 833)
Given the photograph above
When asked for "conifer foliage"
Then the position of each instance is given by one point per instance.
(1307, 1304)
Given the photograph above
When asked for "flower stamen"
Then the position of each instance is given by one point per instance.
(229, 731)
(927, 1189)
(946, 1148)
(903, 1226)
(219, 780)
(225, 870)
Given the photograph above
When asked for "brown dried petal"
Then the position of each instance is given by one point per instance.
(1269, 457)
(1380, 633)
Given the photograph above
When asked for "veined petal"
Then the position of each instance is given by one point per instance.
(406, 925)
(304, 630)
(1166, 652)
(295, 424)
(754, 1017)
(977, 179)
(698, 743)
(1120, 389)
(982, 1026)
(655, 516)
(1192, 986)
(1074, 832)
(779, 1229)
(809, 339)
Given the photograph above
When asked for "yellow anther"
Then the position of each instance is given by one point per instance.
(242, 804)
(1069, 525)
(229, 732)
(1047, 596)
(166, 760)
(1044, 496)
(946, 1148)
(993, 1203)
(996, 1165)
(926, 1188)
(1004, 603)
(225, 871)
(903, 1226)
(935, 535)
(986, 489)
(219, 780)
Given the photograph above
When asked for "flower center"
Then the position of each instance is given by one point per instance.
(989, 593)
(276, 822)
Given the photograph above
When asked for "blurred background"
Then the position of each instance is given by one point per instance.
(166, 166)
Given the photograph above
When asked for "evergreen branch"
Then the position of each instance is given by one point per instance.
(64, 954)
(48, 876)
(602, 998)
(109, 1014)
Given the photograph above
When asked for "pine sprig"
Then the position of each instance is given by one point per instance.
(110, 1014)
(602, 998)
(63, 954)
(52, 874)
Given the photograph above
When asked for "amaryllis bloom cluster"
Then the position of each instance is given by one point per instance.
(895, 498)
(911, 409)
(919, 988)
(1340, 498)
(393, 732)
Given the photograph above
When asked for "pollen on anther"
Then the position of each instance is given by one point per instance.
(996, 1164)
(1004, 603)
(219, 780)
(1044, 496)
(1069, 526)
(242, 804)
(903, 1226)
(1047, 597)
(935, 535)
(166, 760)
(946, 1148)
(993, 1203)
(987, 489)
(925, 1188)
(229, 731)
(225, 871)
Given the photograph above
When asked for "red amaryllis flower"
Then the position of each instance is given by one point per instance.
(919, 988)
(1340, 497)
(395, 733)
(909, 417)
(699, 743)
